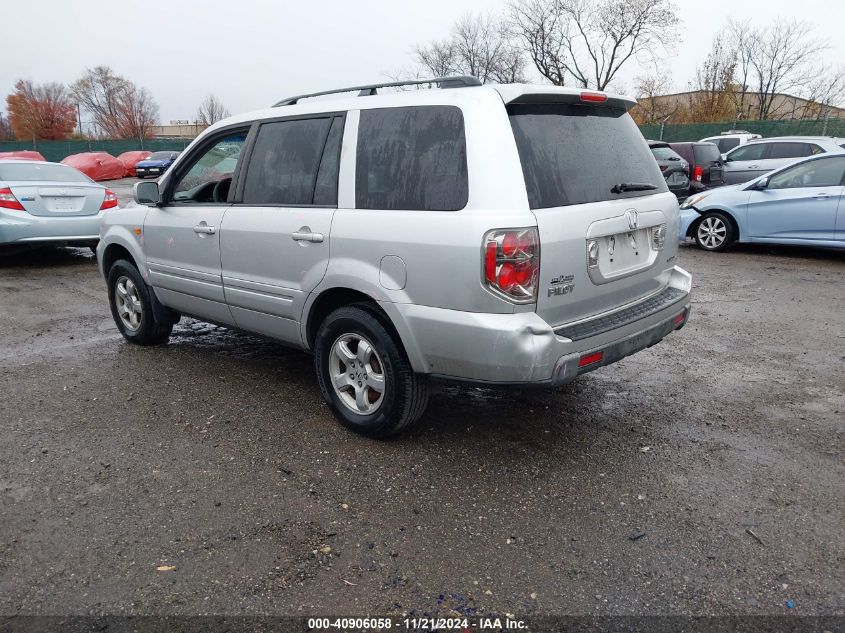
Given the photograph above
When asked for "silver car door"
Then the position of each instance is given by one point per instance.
(181, 237)
(275, 238)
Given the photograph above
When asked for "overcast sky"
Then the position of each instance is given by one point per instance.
(252, 53)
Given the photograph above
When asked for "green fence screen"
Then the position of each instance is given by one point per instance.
(57, 150)
(698, 131)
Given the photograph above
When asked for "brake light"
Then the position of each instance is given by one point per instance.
(593, 97)
(8, 200)
(697, 173)
(109, 201)
(512, 263)
(663, 167)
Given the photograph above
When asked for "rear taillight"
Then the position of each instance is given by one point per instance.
(512, 263)
(110, 200)
(663, 167)
(8, 200)
(593, 97)
(697, 173)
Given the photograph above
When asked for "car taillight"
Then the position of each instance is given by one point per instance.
(8, 200)
(663, 167)
(110, 200)
(512, 263)
(697, 173)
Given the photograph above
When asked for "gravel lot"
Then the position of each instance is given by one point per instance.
(702, 476)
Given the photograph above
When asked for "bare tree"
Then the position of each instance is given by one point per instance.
(212, 110)
(5, 129)
(779, 58)
(587, 42)
(478, 45)
(119, 108)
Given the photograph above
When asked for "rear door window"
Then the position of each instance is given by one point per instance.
(788, 150)
(411, 158)
(284, 163)
(574, 154)
(706, 153)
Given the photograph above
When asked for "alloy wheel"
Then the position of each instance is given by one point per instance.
(357, 374)
(128, 303)
(712, 232)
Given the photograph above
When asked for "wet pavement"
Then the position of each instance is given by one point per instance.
(702, 476)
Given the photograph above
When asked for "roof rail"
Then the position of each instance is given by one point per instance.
(458, 81)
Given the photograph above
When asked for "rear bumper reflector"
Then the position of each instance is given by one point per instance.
(589, 359)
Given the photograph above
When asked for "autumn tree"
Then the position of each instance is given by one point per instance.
(712, 95)
(478, 45)
(212, 110)
(650, 89)
(586, 42)
(40, 111)
(118, 107)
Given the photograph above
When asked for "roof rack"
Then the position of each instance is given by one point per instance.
(458, 81)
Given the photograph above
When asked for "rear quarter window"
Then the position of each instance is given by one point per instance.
(411, 158)
(706, 153)
(574, 154)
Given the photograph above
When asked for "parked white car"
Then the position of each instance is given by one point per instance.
(726, 141)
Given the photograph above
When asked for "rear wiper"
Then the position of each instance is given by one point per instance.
(622, 187)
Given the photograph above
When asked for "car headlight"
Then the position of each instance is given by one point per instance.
(693, 200)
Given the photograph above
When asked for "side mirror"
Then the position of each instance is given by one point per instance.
(761, 184)
(147, 193)
(724, 158)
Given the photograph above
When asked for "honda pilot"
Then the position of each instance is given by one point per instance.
(502, 235)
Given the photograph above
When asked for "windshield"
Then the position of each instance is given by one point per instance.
(160, 156)
(573, 154)
(664, 153)
(41, 172)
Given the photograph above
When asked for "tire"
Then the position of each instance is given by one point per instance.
(138, 325)
(714, 232)
(357, 403)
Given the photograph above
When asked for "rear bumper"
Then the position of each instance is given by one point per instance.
(522, 348)
(18, 227)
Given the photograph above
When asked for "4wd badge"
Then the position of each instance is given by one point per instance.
(561, 285)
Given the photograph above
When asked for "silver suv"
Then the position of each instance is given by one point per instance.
(505, 234)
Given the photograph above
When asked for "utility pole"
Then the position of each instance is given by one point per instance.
(79, 117)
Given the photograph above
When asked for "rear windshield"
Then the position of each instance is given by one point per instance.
(573, 154)
(706, 153)
(35, 171)
(664, 152)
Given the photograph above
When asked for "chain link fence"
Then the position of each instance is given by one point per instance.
(57, 150)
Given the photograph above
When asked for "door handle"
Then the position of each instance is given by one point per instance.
(304, 236)
(822, 196)
(753, 166)
(204, 229)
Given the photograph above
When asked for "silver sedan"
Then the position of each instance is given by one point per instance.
(48, 202)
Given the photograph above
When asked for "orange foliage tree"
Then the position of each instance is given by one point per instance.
(40, 111)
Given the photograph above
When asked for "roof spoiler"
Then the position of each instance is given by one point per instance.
(519, 93)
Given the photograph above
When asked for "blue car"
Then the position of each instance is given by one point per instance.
(156, 164)
(802, 203)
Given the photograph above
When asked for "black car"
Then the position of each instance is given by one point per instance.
(674, 168)
(155, 165)
(706, 167)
